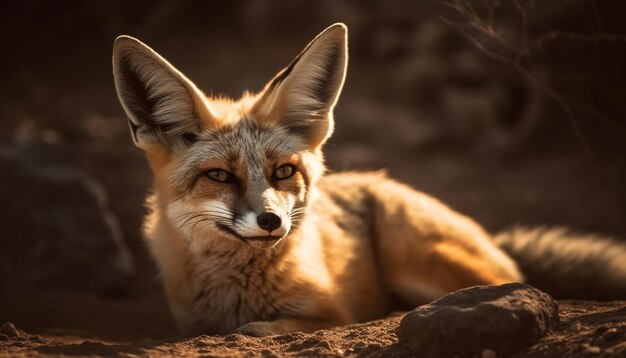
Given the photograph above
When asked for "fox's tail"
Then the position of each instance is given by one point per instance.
(568, 265)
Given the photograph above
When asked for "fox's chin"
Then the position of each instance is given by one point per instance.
(260, 242)
(264, 242)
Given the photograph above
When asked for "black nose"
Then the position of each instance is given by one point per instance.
(268, 221)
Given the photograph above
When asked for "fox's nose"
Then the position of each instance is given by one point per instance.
(268, 221)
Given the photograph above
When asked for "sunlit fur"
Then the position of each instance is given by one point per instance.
(350, 246)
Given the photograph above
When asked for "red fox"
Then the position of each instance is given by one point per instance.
(250, 236)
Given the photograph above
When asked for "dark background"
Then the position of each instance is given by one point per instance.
(510, 111)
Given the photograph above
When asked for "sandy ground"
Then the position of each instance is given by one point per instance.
(590, 329)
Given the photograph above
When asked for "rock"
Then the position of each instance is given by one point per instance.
(325, 345)
(610, 335)
(503, 319)
(9, 330)
(56, 229)
(576, 326)
(232, 338)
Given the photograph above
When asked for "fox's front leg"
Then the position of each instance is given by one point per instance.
(282, 326)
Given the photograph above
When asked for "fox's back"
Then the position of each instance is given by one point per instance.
(356, 202)
(367, 220)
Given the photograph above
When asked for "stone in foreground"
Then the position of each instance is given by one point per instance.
(503, 319)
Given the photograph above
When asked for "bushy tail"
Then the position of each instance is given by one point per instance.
(568, 265)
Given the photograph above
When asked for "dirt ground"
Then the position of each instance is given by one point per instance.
(588, 329)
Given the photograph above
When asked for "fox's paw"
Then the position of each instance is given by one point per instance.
(258, 329)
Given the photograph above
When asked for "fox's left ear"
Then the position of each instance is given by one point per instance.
(302, 96)
(164, 108)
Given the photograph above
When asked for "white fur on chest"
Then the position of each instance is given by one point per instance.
(228, 284)
(232, 289)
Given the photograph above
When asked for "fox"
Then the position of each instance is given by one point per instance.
(251, 235)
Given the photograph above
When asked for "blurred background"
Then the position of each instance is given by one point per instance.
(510, 111)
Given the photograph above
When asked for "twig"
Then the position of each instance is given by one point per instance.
(465, 9)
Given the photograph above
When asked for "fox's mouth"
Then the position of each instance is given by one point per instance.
(234, 233)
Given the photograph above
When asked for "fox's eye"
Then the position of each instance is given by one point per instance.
(284, 172)
(220, 175)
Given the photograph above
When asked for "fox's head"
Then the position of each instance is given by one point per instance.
(224, 169)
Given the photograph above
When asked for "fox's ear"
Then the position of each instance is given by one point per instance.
(164, 108)
(302, 96)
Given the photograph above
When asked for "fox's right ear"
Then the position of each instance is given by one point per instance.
(302, 96)
(164, 108)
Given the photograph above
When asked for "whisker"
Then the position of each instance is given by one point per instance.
(297, 211)
(190, 219)
(214, 212)
(217, 208)
(189, 216)
(198, 221)
(296, 215)
(195, 219)
(182, 217)
(193, 228)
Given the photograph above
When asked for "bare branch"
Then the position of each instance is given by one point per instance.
(466, 10)
(544, 38)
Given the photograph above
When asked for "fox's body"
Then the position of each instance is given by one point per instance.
(363, 244)
(250, 236)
